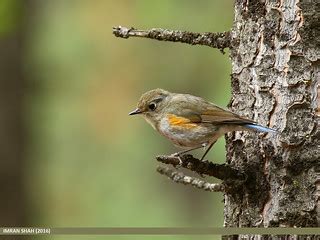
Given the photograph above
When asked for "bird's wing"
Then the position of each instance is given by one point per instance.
(216, 115)
(196, 110)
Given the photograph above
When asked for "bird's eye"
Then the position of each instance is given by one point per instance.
(152, 106)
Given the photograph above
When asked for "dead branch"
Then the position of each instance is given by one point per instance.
(215, 40)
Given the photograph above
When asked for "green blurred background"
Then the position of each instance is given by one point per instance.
(85, 162)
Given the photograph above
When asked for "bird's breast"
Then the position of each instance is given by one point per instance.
(182, 132)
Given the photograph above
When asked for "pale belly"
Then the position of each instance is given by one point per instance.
(190, 136)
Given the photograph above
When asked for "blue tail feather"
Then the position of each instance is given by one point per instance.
(260, 128)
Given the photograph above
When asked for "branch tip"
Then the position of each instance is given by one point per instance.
(179, 177)
(122, 32)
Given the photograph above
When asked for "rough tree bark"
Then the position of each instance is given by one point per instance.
(275, 57)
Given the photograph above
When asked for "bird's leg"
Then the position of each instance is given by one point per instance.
(208, 149)
(185, 151)
(178, 154)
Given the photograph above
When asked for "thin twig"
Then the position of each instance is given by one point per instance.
(187, 180)
(221, 171)
(215, 40)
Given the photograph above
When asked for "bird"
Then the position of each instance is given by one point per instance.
(190, 122)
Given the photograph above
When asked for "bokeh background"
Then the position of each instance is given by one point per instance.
(72, 157)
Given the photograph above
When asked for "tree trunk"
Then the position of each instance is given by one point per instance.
(275, 56)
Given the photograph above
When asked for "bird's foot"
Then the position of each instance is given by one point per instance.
(177, 155)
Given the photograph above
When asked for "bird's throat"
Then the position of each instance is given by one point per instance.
(150, 121)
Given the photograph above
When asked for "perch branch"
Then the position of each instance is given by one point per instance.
(215, 40)
(221, 171)
(187, 180)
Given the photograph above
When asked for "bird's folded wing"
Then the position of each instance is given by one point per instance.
(218, 115)
(214, 115)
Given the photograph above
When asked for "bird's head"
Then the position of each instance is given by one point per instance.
(151, 105)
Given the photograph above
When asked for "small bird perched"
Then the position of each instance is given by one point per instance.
(189, 121)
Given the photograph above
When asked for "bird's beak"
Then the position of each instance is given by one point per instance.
(136, 111)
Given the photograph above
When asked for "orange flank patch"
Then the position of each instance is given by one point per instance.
(180, 122)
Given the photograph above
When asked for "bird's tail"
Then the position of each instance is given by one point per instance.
(260, 128)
